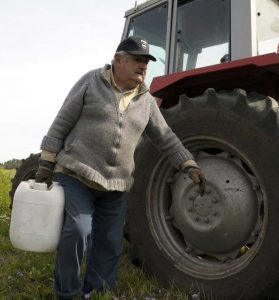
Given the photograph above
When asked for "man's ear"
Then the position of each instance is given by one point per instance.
(117, 59)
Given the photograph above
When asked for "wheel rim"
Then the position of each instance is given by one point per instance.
(216, 235)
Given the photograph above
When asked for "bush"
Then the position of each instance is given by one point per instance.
(5, 186)
(10, 164)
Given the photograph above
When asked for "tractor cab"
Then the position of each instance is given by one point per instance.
(189, 34)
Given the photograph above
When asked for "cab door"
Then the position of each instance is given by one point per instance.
(200, 34)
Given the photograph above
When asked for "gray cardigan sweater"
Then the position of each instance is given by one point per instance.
(92, 138)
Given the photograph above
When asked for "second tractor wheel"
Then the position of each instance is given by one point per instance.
(26, 171)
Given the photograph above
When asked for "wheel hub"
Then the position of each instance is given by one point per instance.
(223, 219)
(205, 209)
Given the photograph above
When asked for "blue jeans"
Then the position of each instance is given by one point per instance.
(93, 224)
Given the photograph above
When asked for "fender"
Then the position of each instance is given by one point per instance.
(258, 74)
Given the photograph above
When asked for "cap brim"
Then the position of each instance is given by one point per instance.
(137, 52)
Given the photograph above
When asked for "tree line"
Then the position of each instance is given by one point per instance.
(10, 164)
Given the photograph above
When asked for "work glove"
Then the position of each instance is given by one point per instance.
(195, 174)
(45, 171)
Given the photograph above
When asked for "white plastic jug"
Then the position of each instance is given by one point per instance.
(37, 216)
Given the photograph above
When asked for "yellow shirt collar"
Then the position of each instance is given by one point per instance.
(116, 87)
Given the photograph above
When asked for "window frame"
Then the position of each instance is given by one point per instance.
(133, 13)
(172, 66)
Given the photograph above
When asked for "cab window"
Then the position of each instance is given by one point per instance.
(152, 25)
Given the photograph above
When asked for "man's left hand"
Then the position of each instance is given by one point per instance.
(194, 172)
(197, 176)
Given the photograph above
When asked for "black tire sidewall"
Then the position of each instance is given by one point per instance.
(252, 140)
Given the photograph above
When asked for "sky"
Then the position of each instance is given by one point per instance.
(45, 47)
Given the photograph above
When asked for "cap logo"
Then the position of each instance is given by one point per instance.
(143, 44)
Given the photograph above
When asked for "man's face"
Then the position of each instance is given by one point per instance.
(130, 69)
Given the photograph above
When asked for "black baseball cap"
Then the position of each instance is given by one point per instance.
(135, 45)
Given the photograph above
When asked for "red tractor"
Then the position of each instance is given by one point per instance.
(217, 83)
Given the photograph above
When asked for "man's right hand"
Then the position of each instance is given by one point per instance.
(45, 171)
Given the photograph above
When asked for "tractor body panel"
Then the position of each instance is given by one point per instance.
(258, 73)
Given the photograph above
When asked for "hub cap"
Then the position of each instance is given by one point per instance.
(222, 220)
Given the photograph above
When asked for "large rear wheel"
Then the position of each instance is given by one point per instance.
(224, 244)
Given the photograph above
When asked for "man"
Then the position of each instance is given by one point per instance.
(92, 142)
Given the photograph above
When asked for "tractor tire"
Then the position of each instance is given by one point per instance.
(225, 244)
(25, 171)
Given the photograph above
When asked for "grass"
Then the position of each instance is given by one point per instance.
(29, 276)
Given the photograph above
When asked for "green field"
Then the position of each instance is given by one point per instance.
(27, 275)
